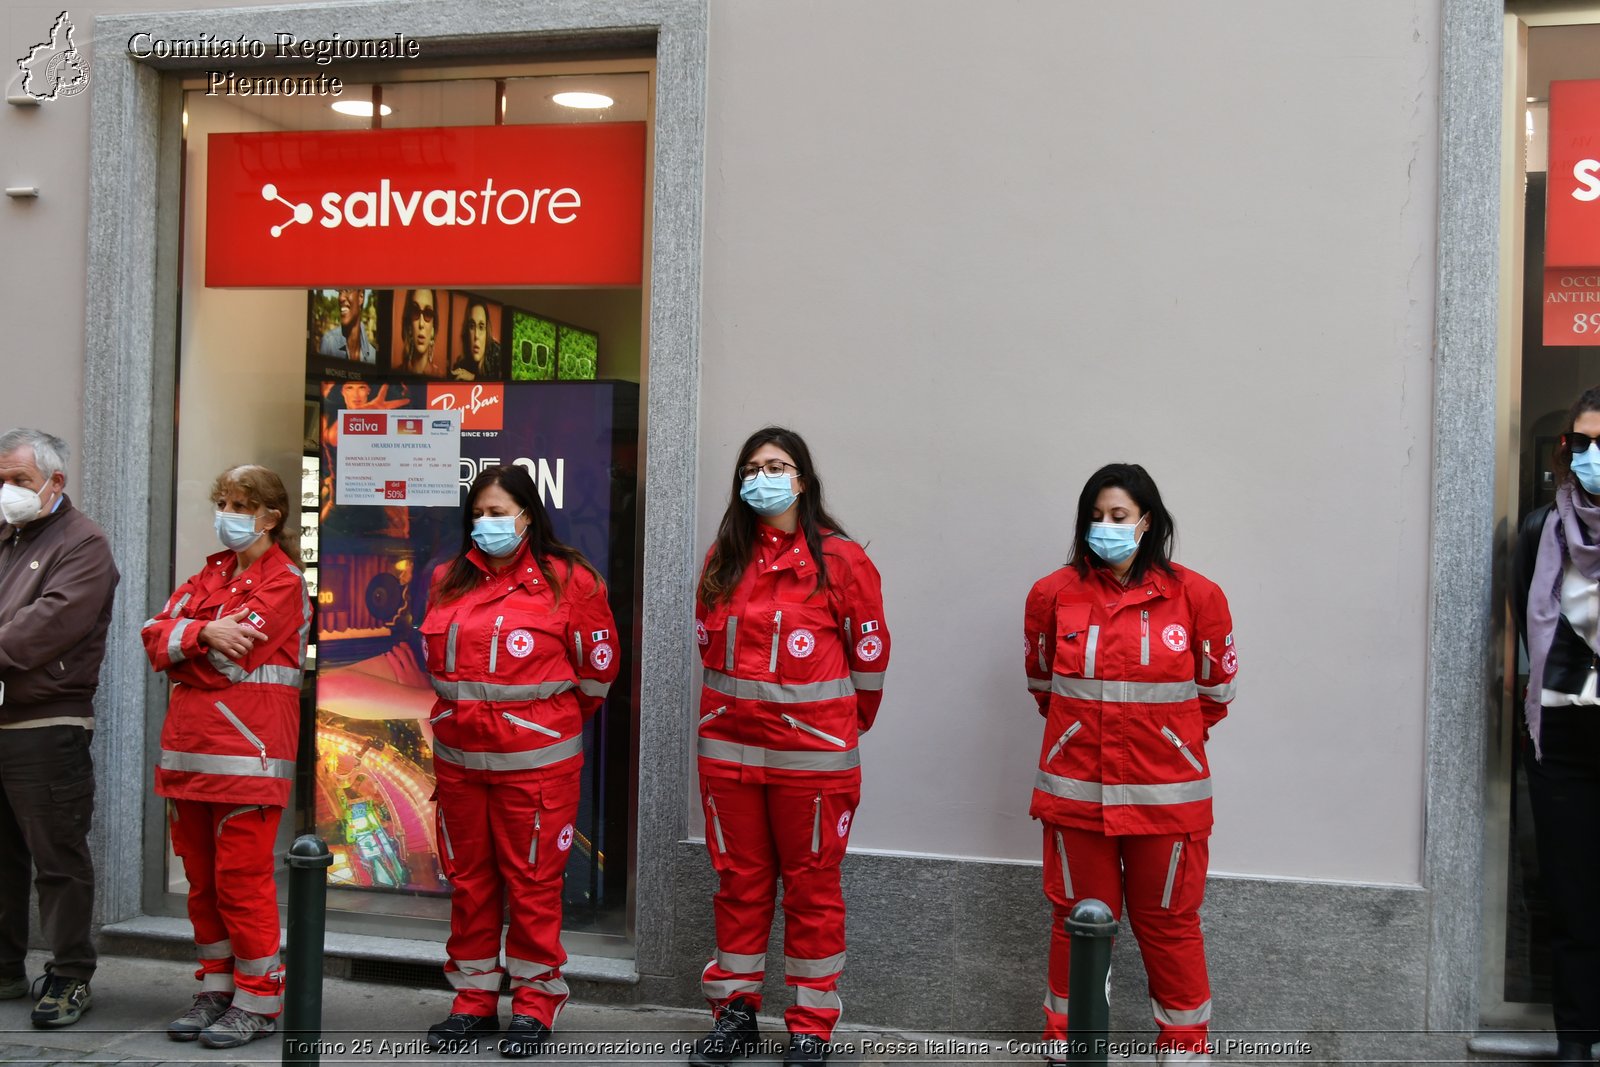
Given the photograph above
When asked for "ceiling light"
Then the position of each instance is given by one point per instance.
(359, 108)
(589, 101)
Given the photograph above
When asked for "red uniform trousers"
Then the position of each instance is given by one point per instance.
(506, 842)
(227, 853)
(754, 833)
(1163, 877)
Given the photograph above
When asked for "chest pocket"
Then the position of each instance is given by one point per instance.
(440, 634)
(715, 636)
(1076, 641)
(520, 638)
(803, 641)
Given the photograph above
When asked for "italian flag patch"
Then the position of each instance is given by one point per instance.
(255, 619)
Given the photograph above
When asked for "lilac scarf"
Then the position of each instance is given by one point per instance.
(1572, 532)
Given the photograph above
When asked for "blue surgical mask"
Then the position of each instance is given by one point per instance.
(1586, 468)
(768, 495)
(235, 531)
(1113, 541)
(496, 535)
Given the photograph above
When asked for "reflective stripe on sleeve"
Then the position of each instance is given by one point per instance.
(1039, 685)
(184, 599)
(776, 692)
(1220, 693)
(1095, 793)
(778, 759)
(510, 761)
(867, 682)
(590, 687)
(1123, 692)
(799, 967)
(237, 766)
(225, 666)
(490, 691)
(175, 640)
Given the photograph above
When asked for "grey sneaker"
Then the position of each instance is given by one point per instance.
(64, 1001)
(206, 1009)
(14, 988)
(237, 1027)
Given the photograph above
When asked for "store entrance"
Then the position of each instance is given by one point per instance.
(546, 375)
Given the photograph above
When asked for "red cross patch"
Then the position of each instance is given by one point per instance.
(870, 647)
(844, 824)
(1230, 662)
(519, 643)
(802, 643)
(1175, 637)
(600, 656)
(700, 634)
(564, 839)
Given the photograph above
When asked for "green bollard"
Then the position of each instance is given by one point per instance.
(308, 861)
(1091, 927)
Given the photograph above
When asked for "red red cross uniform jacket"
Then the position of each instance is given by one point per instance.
(227, 762)
(232, 726)
(516, 673)
(792, 675)
(1130, 682)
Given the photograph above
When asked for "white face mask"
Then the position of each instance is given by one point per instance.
(19, 505)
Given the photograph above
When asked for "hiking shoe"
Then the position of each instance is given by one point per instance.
(206, 1009)
(14, 988)
(63, 1003)
(524, 1037)
(458, 1032)
(237, 1027)
(805, 1050)
(733, 1034)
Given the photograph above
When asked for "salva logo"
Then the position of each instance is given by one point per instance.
(389, 207)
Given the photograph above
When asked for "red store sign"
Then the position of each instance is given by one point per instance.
(1572, 217)
(455, 206)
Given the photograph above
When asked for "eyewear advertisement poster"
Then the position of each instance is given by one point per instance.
(374, 773)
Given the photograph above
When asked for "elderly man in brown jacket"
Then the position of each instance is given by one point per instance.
(56, 584)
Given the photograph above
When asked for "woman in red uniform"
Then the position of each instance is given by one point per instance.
(232, 639)
(522, 650)
(791, 631)
(1131, 659)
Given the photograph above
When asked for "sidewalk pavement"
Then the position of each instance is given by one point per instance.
(367, 1022)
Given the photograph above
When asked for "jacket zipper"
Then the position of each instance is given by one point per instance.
(716, 824)
(445, 714)
(238, 724)
(812, 730)
(708, 716)
(1205, 660)
(1066, 875)
(1062, 740)
(1183, 749)
(816, 825)
(1044, 664)
(494, 643)
(1144, 639)
(450, 647)
(727, 656)
(1172, 874)
(577, 647)
(533, 849)
(1089, 651)
(777, 629)
(526, 724)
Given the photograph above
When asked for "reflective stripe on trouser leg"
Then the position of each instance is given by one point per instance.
(477, 893)
(1163, 903)
(216, 966)
(518, 811)
(247, 899)
(747, 884)
(1096, 871)
(810, 832)
(191, 824)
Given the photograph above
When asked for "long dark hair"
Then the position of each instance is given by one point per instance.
(463, 575)
(736, 536)
(1562, 462)
(1155, 547)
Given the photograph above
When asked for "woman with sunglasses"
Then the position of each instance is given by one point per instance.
(232, 640)
(789, 621)
(1556, 576)
(521, 651)
(1131, 660)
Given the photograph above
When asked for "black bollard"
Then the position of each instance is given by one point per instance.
(1091, 927)
(308, 860)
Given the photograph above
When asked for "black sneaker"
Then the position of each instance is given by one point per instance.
(524, 1037)
(63, 1003)
(733, 1034)
(459, 1031)
(805, 1050)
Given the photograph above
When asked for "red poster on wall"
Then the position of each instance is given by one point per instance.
(457, 206)
(1572, 306)
(1572, 217)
